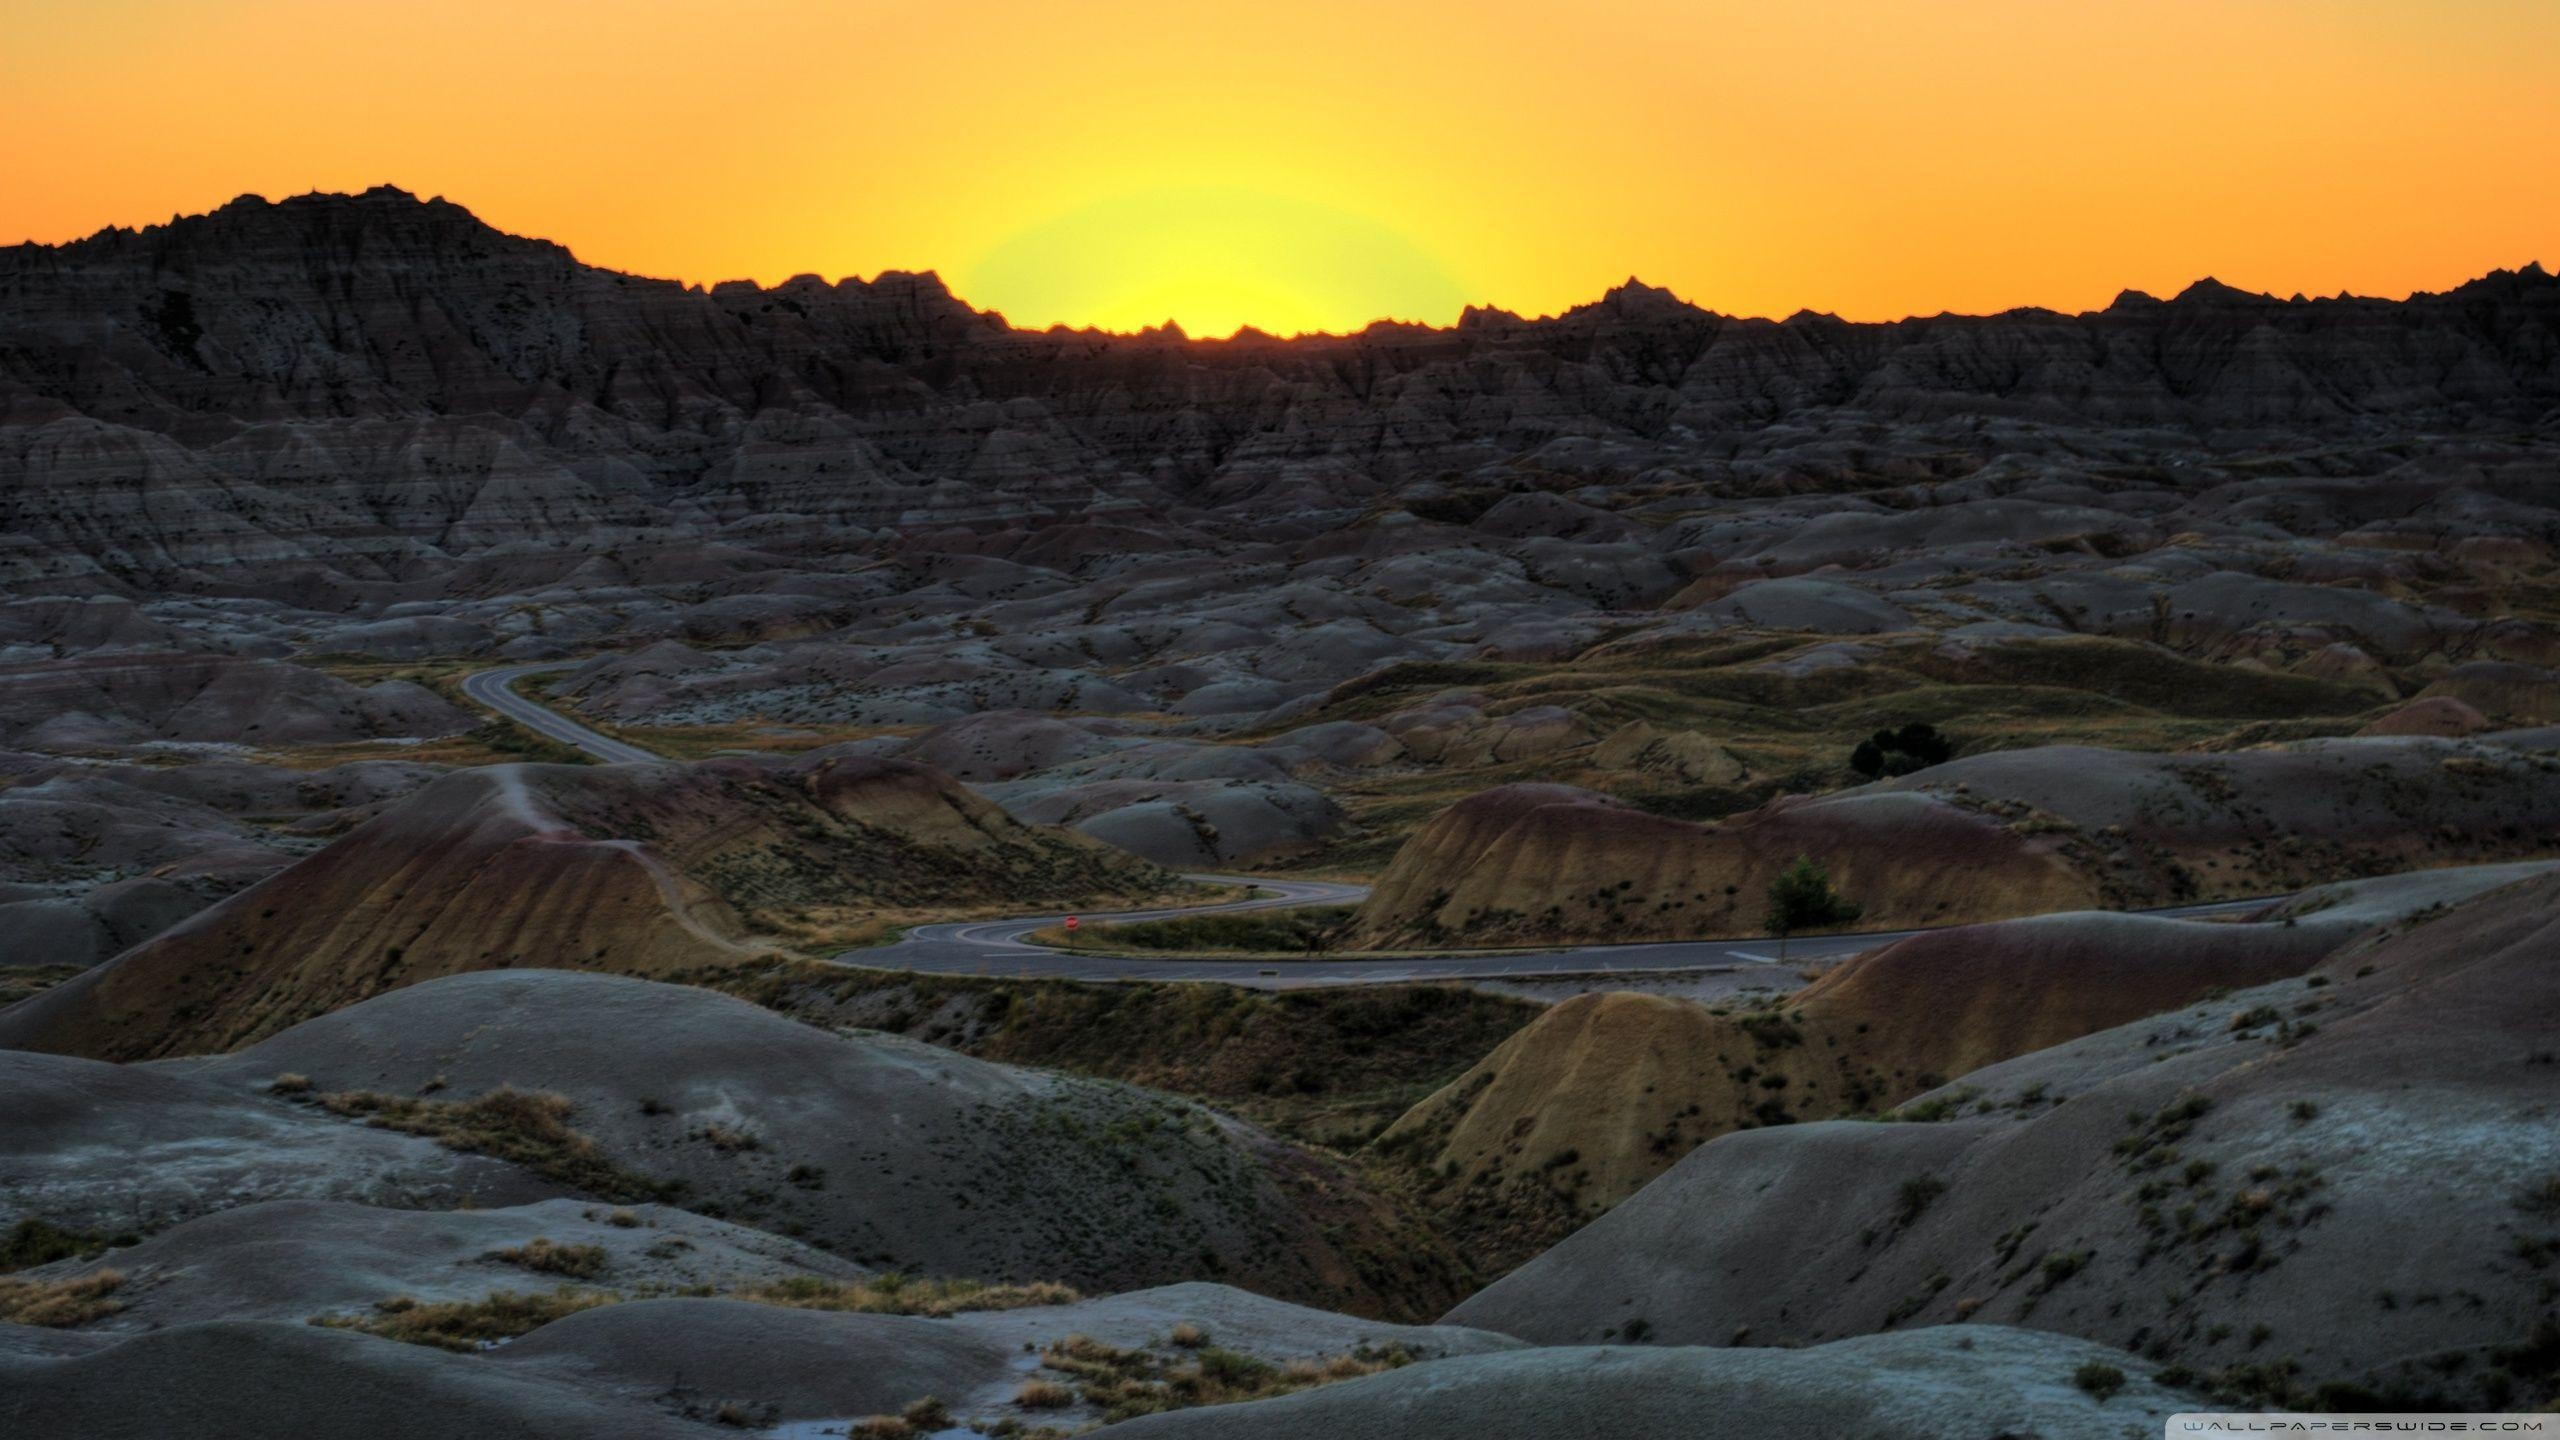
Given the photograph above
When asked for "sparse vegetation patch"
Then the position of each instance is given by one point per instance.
(529, 1128)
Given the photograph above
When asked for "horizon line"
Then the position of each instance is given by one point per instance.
(1171, 328)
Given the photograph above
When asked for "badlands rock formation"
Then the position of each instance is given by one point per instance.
(886, 1152)
(105, 702)
(1588, 1103)
(394, 386)
(1560, 629)
(2021, 831)
(641, 870)
(969, 1169)
(2330, 1188)
(96, 858)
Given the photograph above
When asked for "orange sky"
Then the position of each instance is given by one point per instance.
(1321, 164)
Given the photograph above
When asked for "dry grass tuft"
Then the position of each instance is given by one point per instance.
(61, 1304)
(891, 1293)
(1043, 1395)
(530, 1128)
(468, 1325)
(578, 1262)
(475, 1324)
(1124, 1384)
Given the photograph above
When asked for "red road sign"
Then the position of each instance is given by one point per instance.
(1071, 922)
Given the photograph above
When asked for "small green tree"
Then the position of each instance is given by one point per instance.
(1801, 898)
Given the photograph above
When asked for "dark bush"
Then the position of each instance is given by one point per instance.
(1914, 747)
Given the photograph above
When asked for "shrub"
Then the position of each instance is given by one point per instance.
(1914, 747)
(1916, 1196)
(32, 1242)
(2099, 1378)
(1801, 898)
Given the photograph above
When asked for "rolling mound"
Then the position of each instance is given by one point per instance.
(636, 869)
(1522, 864)
(675, 1359)
(889, 1152)
(96, 858)
(765, 1359)
(255, 1380)
(86, 1145)
(111, 701)
(293, 1259)
(2032, 830)
(791, 1363)
(2332, 1192)
(1941, 1384)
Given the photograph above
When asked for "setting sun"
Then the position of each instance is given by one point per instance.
(1214, 260)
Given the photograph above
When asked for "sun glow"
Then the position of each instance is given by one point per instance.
(1328, 162)
(1214, 260)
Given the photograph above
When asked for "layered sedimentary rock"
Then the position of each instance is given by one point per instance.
(633, 869)
(2332, 1189)
(1599, 1095)
(2011, 832)
(358, 390)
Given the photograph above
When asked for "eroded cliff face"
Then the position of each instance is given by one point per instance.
(362, 391)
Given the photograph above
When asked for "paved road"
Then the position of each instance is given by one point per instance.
(996, 947)
(496, 690)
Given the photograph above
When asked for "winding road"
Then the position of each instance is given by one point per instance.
(495, 689)
(997, 949)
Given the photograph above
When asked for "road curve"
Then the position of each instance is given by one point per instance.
(495, 690)
(996, 948)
